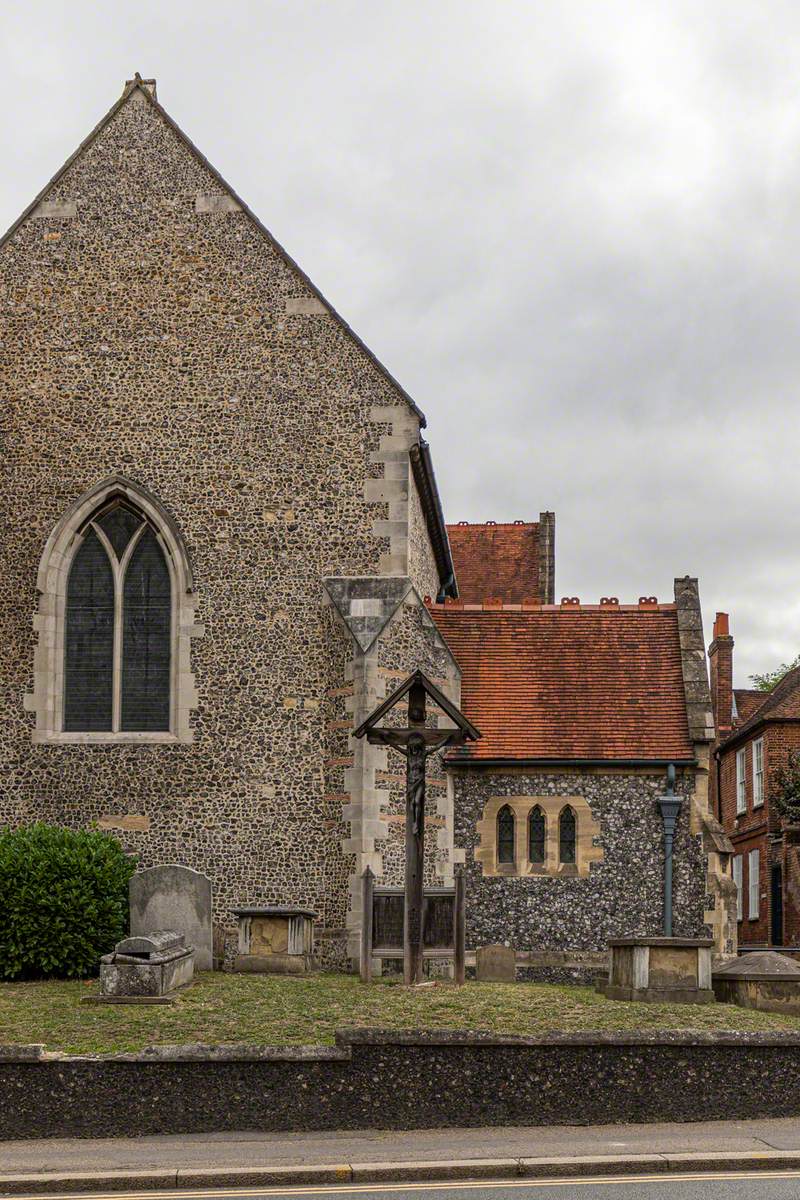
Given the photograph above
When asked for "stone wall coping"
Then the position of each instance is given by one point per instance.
(347, 1038)
(699, 943)
(680, 1037)
(190, 1052)
(274, 911)
(30, 1053)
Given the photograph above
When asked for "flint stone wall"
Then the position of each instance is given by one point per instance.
(168, 341)
(391, 1081)
(622, 894)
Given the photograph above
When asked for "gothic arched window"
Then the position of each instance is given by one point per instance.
(118, 626)
(537, 830)
(505, 835)
(567, 830)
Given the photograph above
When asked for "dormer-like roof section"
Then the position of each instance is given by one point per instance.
(509, 561)
(570, 682)
(756, 709)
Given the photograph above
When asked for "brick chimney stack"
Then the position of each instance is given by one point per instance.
(720, 658)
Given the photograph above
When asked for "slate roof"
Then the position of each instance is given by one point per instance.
(569, 682)
(496, 561)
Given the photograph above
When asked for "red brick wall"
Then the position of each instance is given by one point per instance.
(761, 828)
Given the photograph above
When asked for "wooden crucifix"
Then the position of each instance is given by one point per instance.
(416, 742)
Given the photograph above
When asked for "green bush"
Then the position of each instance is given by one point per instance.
(63, 900)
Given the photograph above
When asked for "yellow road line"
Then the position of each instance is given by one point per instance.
(445, 1185)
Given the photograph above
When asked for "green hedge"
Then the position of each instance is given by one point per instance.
(63, 900)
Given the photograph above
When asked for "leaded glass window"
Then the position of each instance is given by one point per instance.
(118, 627)
(566, 835)
(505, 835)
(536, 835)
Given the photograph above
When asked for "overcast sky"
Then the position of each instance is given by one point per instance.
(571, 229)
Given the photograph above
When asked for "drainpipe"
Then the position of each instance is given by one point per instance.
(670, 806)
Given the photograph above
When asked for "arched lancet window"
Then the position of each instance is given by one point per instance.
(118, 626)
(505, 835)
(567, 830)
(537, 831)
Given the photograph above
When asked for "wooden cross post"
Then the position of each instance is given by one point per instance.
(415, 742)
(416, 755)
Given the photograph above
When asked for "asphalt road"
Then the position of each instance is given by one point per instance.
(699, 1187)
(762, 1185)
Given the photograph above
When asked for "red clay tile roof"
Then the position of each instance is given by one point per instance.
(569, 683)
(496, 561)
(747, 701)
(781, 704)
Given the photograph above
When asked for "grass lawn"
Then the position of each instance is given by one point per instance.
(271, 1010)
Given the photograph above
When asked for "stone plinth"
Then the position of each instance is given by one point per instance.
(764, 980)
(146, 967)
(274, 939)
(667, 970)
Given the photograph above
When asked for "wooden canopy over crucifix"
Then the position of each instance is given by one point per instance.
(416, 741)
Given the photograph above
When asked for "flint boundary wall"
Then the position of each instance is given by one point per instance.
(402, 1081)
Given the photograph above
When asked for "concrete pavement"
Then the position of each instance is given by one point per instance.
(252, 1159)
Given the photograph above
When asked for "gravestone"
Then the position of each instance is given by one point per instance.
(174, 897)
(495, 964)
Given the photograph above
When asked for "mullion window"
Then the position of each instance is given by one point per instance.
(89, 640)
(536, 836)
(567, 834)
(505, 835)
(118, 629)
(146, 636)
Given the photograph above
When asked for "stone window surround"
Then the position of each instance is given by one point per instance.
(521, 806)
(47, 698)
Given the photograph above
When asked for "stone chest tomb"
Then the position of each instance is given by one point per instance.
(275, 940)
(667, 970)
(146, 967)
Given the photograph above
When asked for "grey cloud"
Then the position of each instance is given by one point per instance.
(571, 230)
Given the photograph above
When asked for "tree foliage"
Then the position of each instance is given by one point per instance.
(771, 679)
(63, 900)
(785, 789)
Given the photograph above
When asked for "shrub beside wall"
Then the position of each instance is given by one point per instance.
(63, 900)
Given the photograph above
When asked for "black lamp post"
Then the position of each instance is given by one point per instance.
(670, 806)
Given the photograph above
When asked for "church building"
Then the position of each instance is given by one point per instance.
(223, 544)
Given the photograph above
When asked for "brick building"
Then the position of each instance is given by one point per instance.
(756, 732)
(223, 544)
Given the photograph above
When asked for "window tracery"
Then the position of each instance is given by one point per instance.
(115, 623)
